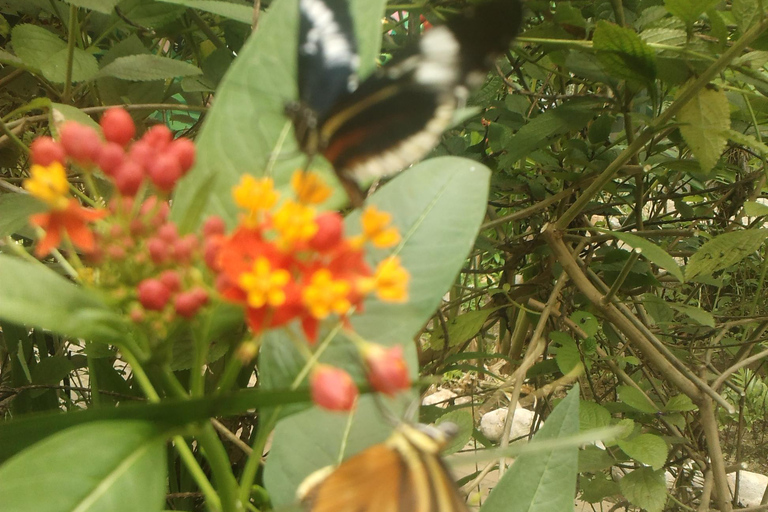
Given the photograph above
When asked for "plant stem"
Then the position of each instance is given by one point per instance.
(65, 97)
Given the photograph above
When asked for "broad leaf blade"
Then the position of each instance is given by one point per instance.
(145, 68)
(624, 54)
(653, 252)
(704, 124)
(724, 250)
(115, 466)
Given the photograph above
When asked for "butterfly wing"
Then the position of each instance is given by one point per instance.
(328, 58)
(404, 474)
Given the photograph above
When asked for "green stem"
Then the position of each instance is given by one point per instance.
(13, 138)
(686, 94)
(185, 452)
(254, 459)
(70, 53)
(221, 467)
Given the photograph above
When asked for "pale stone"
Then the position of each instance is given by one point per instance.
(441, 398)
(751, 487)
(492, 423)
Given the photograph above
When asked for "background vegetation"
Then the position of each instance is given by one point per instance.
(623, 244)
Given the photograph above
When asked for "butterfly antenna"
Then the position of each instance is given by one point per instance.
(276, 151)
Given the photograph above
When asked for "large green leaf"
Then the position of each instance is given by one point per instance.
(624, 54)
(648, 449)
(45, 51)
(15, 210)
(102, 6)
(242, 130)
(115, 466)
(33, 295)
(653, 252)
(438, 206)
(724, 250)
(704, 123)
(26, 430)
(546, 481)
(145, 68)
(645, 488)
(689, 10)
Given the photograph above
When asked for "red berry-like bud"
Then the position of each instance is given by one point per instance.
(214, 225)
(136, 314)
(137, 227)
(158, 250)
(186, 304)
(332, 388)
(387, 370)
(153, 294)
(116, 253)
(165, 172)
(185, 247)
(81, 143)
(142, 153)
(117, 125)
(116, 230)
(128, 178)
(211, 248)
(168, 232)
(171, 280)
(44, 151)
(183, 150)
(200, 294)
(158, 137)
(111, 157)
(330, 229)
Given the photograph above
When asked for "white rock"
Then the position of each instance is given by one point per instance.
(751, 487)
(461, 400)
(441, 397)
(492, 423)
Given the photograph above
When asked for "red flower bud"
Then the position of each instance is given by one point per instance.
(45, 151)
(165, 171)
(110, 158)
(158, 250)
(184, 247)
(80, 142)
(200, 294)
(168, 232)
(158, 137)
(330, 230)
(117, 125)
(183, 150)
(142, 153)
(211, 251)
(171, 280)
(153, 294)
(186, 304)
(128, 178)
(332, 388)
(214, 225)
(387, 370)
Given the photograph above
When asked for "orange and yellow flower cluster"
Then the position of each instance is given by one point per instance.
(287, 261)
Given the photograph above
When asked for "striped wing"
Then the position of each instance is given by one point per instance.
(400, 475)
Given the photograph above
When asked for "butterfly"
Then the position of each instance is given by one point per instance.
(403, 474)
(396, 116)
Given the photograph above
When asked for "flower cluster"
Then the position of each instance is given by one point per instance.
(285, 261)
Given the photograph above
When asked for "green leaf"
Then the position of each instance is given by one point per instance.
(648, 449)
(7, 58)
(15, 210)
(544, 481)
(587, 321)
(149, 13)
(745, 12)
(592, 415)
(635, 398)
(102, 6)
(539, 131)
(680, 403)
(698, 315)
(724, 250)
(460, 329)
(704, 124)
(689, 10)
(599, 488)
(237, 12)
(755, 209)
(52, 370)
(462, 418)
(61, 113)
(33, 295)
(84, 66)
(24, 431)
(593, 459)
(568, 357)
(145, 68)
(34, 45)
(748, 140)
(645, 488)
(115, 466)
(242, 129)
(624, 54)
(651, 251)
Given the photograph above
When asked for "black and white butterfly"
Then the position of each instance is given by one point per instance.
(397, 115)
